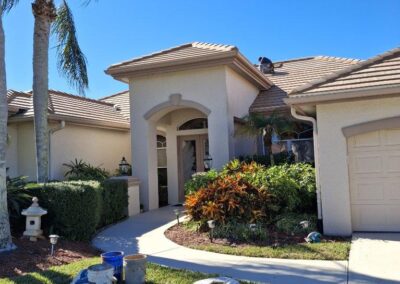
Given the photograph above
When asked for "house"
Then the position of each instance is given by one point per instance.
(357, 113)
(186, 100)
(95, 131)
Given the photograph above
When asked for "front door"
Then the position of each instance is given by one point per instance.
(191, 152)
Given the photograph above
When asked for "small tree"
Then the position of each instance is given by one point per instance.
(257, 124)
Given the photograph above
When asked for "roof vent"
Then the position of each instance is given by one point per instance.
(266, 66)
(117, 107)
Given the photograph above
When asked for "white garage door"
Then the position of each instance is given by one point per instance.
(374, 165)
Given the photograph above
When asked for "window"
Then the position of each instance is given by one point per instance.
(161, 151)
(197, 123)
(162, 170)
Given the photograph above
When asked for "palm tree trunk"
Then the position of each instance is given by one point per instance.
(44, 12)
(5, 233)
(268, 145)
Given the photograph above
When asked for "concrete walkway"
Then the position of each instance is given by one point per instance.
(375, 258)
(144, 233)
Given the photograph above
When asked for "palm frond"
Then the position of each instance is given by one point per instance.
(253, 125)
(7, 5)
(87, 2)
(71, 61)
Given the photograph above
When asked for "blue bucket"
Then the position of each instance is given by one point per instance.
(114, 258)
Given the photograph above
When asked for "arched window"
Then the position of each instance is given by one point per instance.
(197, 123)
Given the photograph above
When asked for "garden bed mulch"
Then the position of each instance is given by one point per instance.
(185, 237)
(278, 245)
(35, 256)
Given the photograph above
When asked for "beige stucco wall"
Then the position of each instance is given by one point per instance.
(99, 147)
(218, 89)
(12, 151)
(26, 150)
(241, 94)
(334, 175)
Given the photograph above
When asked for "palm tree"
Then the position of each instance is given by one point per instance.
(256, 124)
(71, 63)
(5, 232)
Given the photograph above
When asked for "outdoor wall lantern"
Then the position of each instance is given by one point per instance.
(33, 220)
(211, 225)
(177, 212)
(207, 163)
(53, 242)
(124, 167)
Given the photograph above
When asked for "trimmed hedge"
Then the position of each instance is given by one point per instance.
(77, 208)
(115, 201)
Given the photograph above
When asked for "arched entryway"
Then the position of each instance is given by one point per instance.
(181, 143)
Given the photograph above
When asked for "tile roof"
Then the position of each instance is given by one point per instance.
(70, 108)
(182, 52)
(121, 101)
(189, 56)
(379, 71)
(295, 73)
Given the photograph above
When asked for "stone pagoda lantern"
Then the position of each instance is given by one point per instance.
(33, 220)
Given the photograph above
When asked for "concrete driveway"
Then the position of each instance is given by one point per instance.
(375, 258)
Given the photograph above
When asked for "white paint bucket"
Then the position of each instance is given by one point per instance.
(135, 268)
(101, 273)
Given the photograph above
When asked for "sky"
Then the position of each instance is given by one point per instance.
(111, 31)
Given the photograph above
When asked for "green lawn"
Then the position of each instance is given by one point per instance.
(64, 274)
(338, 250)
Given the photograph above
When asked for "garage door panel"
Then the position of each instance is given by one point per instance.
(392, 191)
(367, 140)
(374, 170)
(366, 164)
(391, 137)
(376, 218)
(392, 163)
(364, 191)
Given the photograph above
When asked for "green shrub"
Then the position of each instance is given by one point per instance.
(77, 208)
(80, 170)
(265, 160)
(18, 198)
(200, 180)
(293, 187)
(74, 207)
(240, 232)
(114, 201)
(229, 198)
(290, 223)
(250, 192)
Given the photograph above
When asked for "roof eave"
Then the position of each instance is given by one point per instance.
(343, 95)
(78, 121)
(231, 58)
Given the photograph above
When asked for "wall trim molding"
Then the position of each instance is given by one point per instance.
(369, 126)
(175, 100)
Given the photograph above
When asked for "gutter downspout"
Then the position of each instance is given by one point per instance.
(316, 160)
(51, 132)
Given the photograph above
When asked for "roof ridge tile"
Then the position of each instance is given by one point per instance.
(202, 45)
(114, 95)
(338, 59)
